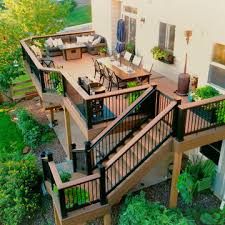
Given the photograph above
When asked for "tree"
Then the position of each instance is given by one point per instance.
(20, 19)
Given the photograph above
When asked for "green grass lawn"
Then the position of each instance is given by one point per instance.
(78, 15)
(11, 138)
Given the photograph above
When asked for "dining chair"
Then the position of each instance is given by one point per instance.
(137, 60)
(98, 68)
(127, 56)
(116, 81)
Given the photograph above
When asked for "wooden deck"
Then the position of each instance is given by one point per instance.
(85, 67)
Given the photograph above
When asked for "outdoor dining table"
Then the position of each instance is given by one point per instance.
(126, 71)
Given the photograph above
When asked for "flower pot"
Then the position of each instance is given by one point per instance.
(102, 54)
(168, 60)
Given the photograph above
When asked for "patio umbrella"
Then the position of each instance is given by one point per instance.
(121, 36)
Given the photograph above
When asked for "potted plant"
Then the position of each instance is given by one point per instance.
(162, 55)
(130, 47)
(209, 113)
(102, 51)
(197, 176)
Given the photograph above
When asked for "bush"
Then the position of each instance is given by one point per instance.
(19, 190)
(189, 181)
(34, 134)
(65, 176)
(217, 217)
(205, 92)
(137, 210)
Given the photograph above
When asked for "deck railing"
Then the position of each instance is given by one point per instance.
(199, 116)
(146, 106)
(92, 189)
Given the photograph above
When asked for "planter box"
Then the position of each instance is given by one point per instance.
(207, 114)
(169, 60)
(204, 184)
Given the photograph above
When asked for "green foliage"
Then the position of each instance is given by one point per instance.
(103, 50)
(135, 95)
(130, 47)
(137, 210)
(76, 196)
(65, 176)
(22, 19)
(34, 134)
(217, 217)
(12, 144)
(159, 53)
(220, 113)
(186, 187)
(205, 92)
(198, 175)
(57, 82)
(19, 190)
(78, 15)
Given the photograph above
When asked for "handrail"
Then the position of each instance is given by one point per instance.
(202, 102)
(124, 114)
(142, 133)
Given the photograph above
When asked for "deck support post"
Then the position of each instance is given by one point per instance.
(107, 219)
(52, 118)
(176, 172)
(68, 134)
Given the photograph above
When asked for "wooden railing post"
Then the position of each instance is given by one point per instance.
(152, 102)
(62, 202)
(103, 197)
(64, 85)
(88, 156)
(88, 113)
(74, 158)
(181, 124)
(41, 75)
(175, 118)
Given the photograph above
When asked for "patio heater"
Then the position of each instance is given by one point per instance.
(184, 78)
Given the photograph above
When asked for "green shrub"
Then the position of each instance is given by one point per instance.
(211, 218)
(139, 211)
(19, 190)
(189, 181)
(205, 92)
(135, 95)
(159, 53)
(65, 176)
(220, 113)
(34, 134)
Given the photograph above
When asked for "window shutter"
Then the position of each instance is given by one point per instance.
(171, 37)
(162, 35)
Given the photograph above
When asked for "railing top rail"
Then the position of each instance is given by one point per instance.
(118, 92)
(62, 34)
(142, 133)
(55, 173)
(79, 181)
(202, 102)
(119, 118)
(60, 185)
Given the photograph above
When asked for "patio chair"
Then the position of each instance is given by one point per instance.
(98, 69)
(115, 81)
(127, 56)
(137, 60)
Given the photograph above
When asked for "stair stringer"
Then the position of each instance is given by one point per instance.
(133, 179)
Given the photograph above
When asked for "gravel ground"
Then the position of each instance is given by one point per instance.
(39, 113)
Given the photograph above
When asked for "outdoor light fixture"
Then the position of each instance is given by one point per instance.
(188, 35)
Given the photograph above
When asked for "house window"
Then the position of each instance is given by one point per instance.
(216, 74)
(130, 18)
(212, 151)
(166, 37)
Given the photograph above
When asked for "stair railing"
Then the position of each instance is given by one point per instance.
(140, 148)
(115, 134)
